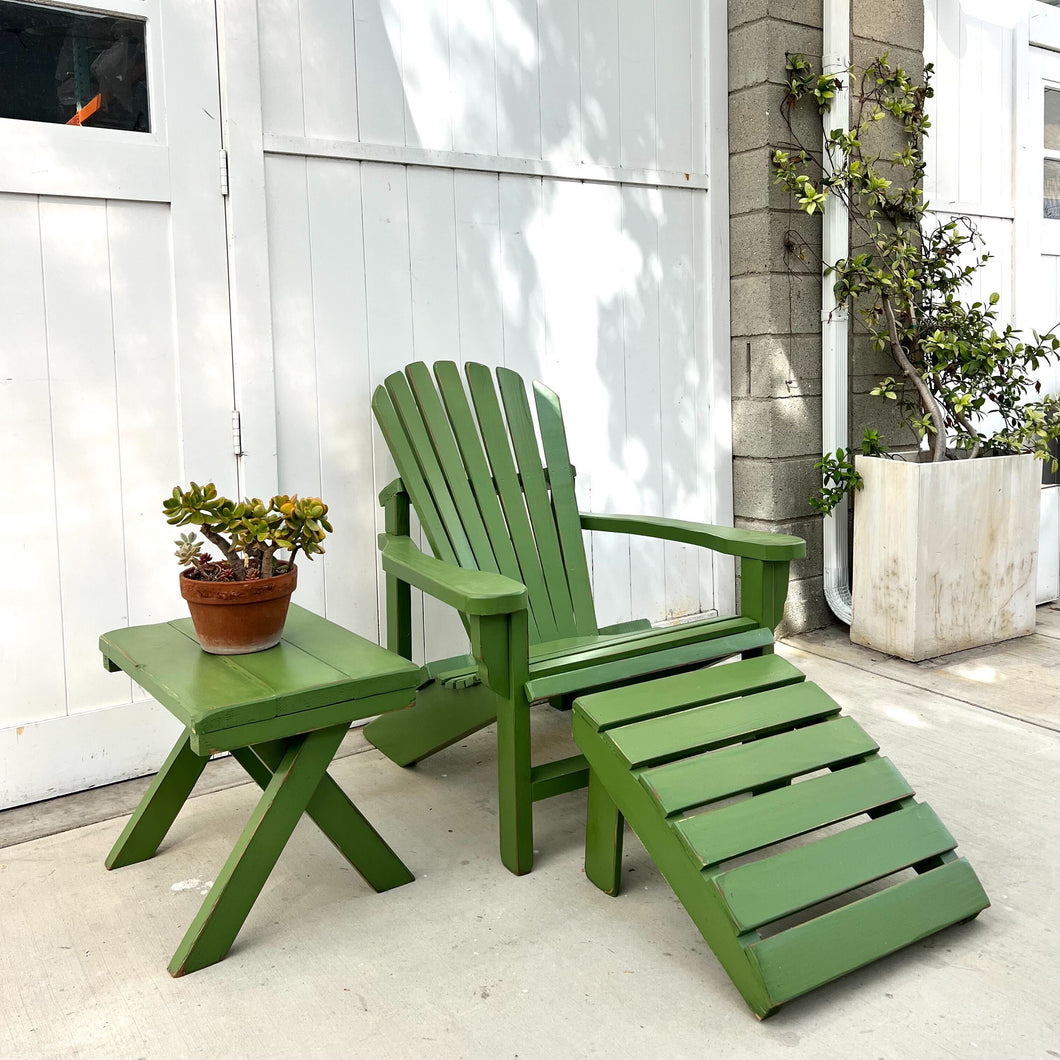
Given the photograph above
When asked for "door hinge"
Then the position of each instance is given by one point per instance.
(237, 433)
(223, 165)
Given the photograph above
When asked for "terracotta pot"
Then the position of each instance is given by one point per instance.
(237, 618)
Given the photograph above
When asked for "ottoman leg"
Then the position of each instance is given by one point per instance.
(604, 826)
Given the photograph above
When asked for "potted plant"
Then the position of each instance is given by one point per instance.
(239, 602)
(944, 548)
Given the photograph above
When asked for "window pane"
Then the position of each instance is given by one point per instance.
(1051, 206)
(1052, 119)
(72, 67)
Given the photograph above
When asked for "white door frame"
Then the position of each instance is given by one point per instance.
(1037, 235)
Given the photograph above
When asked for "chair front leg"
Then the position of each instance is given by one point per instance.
(501, 644)
(514, 791)
(763, 590)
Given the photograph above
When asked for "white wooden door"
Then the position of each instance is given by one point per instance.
(115, 384)
(521, 183)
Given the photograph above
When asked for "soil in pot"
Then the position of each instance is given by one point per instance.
(237, 618)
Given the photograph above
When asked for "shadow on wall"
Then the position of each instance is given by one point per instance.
(598, 289)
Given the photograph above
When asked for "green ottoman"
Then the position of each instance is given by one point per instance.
(717, 771)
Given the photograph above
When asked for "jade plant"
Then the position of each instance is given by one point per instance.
(248, 534)
(963, 381)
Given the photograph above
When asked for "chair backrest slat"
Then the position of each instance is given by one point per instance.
(401, 394)
(498, 450)
(529, 459)
(456, 476)
(411, 475)
(462, 421)
(565, 506)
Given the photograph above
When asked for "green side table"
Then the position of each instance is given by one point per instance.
(282, 713)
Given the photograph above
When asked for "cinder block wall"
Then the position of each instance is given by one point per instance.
(776, 311)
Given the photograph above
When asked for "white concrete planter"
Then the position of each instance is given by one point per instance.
(945, 554)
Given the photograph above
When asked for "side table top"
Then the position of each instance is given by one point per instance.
(316, 664)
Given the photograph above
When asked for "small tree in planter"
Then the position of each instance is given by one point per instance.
(239, 603)
(962, 383)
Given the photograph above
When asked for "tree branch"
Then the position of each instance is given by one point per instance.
(927, 399)
(239, 572)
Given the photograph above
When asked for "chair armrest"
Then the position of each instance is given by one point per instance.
(473, 592)
(750, 544)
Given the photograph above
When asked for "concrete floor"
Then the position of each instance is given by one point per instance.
(469, 961)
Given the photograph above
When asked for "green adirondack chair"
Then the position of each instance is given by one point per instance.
(499, 512)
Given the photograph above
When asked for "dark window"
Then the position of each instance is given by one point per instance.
(72, 68)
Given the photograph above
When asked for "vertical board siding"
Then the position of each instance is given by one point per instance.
(677, 92)
(31, 639)
(687, 487)
(329, 82)
(145, 359)
(340, 329)
(473, 64)
(426, 74)
(516, 33)
(378, 57)
(592, 287)
(588, 287)
(595, 81)
(279, 43)
(970, 148)
(90, 407)
(81, 371)
(559, 74)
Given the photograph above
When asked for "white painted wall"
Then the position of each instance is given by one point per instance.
(421, 206)
(522, 182)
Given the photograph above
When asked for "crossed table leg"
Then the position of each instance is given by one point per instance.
(292, 774)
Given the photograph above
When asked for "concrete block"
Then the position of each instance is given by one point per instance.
(757, 51)
(806, 607)
(751, 184)
(774, 489)
(776, 366)
(867, 362)
(804, 12)
(757, 241)
(776, 427)
(867, 410)
(892, 23)
(743, 11)
(756, 119)
(775, 304)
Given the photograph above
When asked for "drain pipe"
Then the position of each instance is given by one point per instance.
(834, 317)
